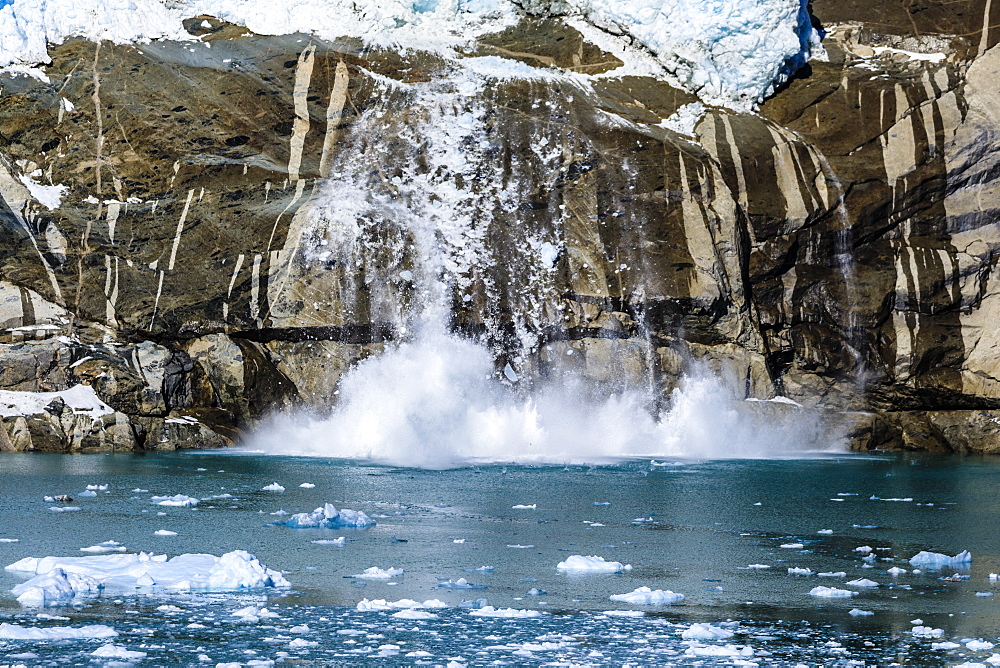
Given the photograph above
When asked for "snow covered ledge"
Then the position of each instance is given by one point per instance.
(731, 53)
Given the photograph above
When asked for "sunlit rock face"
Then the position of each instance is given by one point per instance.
(206, 231)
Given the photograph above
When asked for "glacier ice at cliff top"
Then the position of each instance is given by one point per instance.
(729, 52)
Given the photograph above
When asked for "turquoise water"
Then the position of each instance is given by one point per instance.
(688, 527)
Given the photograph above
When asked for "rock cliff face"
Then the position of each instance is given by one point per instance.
(206, 232)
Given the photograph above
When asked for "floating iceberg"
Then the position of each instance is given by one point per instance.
(856, 612)
(403, 604)
(505, 613)
(414, 614)
(926, 632)
(938, 560)
(592, 565)
(831, 592)
(111, 651)
(460, 583)
(706, 632)
(177, 500)
(647, 596)
(376, 573)
(16, 632)
(60, 579)
(328, 517)
(863, 582)
(273, 487)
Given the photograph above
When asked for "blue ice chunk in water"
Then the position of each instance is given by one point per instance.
(460, 583)
(474, 605)
(329, 517)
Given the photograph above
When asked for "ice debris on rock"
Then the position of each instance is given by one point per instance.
(647, 596)
(328, 517)
(60, 579)
(938, 560)
(592, 564)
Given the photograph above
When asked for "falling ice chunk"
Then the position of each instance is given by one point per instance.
(509, 373)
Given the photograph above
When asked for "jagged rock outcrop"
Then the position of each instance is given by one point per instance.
(838, 247)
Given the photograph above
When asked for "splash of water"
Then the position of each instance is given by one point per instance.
(435, 400)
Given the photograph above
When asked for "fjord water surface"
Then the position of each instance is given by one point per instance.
(687, 526)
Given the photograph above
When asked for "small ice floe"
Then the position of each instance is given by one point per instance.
(864, 549)
(831, 592)
(459, 541)
(800, 571)
(342, 540)
(937, 560)
(865, 526)
(955, 577)
(993, 576)
(758, 567)
(946, 645)
(863, 582)
(878, 498)
(177, 500)
(481, 569)
(10, 540)
(825, 532)
(505, 613)
(376, 573)
(329, 517)
(414, 614)
(536, 592)
(792, 546)
(97, 488)
(63, 509)
(728, 651)
(602, 503)
(520, 547)
(926, 632)
(647, 596)
(706, 632)
(623, 613)
(273, 487)
(592, 564)
(164, 532)
(856, 612)
(110, 651)
(895, 570)
(279, 513)
(87, 493)
(403, 604)
(460, 583)
(105, 547)
(979, 645)
(984, 594)
(252, 614)
(307, 485)
(58, 580)
(302, 643)
(837, 574)
(533, 506)
(17, 632)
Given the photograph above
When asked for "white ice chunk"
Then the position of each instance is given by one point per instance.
(307, 485)
(792, 546)
(863, 582)
(533, 506)
(946, 645)
(926, 632)
(164, 532)
(110, 651)
(895, 570)
(505, 613)
(342, 540)
(177, 500)
(16, 632)
(937, 560)
(979, 645)
(124, 572)
(273, 487)
(592, 564)
(403, 604)
(759, 567)
(376, 573)
(837, 574)
(414, 614)
(831, 592)
(706, 632)
(647, 596)
(855, 612)
(799, 571)
(328, 517)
